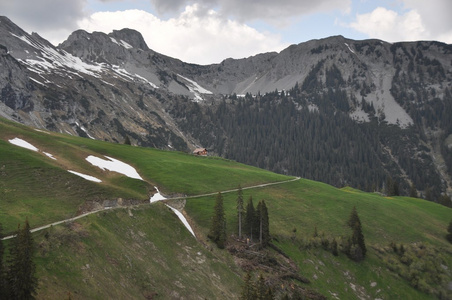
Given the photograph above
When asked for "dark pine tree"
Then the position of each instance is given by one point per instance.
(353, 219)
(449, 232)
(2, 267)
(413, 192)
(21, 273)
(357, 249)
(264, 226)
(262, 291)
(240, 209)
(250, 218)
(218, 227)
(248, 290)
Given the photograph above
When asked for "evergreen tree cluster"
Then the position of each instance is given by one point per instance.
(257, 226)
(18, 276)
(449, 232)
(218, 227)
(305, 136)
(307, 131)
(356, 247)
(255, 290)
(252, 222)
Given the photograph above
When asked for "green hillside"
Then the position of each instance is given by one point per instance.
(142, 250)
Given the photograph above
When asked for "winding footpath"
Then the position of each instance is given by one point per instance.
(167, 199)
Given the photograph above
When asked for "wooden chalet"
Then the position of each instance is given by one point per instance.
(200, 151)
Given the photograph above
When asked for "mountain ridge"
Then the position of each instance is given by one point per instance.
(112, 86)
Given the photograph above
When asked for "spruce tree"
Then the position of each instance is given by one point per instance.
(413, 192)
(21, 277)
(449, 232)
(2, 266)
(261, 288)
(249, 217)
(218, 227)
(248, 290)
(357, 250)
(353, 219)
(240, 209)
(264, 231)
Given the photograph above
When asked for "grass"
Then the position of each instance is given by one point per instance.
(37, 187)
(145, 251)
(306, 204)
(131, 254)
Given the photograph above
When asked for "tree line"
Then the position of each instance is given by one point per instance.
(18, 271)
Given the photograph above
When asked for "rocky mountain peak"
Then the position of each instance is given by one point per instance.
(100, 47)
(131, 37)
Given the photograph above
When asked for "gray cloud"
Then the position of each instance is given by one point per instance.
(247, 10)
(44, 15)
(435, 13)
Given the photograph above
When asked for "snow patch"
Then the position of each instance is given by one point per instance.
(114, 165)
(313, 108)
(183, 219)
(349, 48)
(157, 196)
(38, 82)
(121, 43)
(195, 88)
(49, 155)
(27, 145)
(126, 45)
(43, 131)
(360, 115)
(145, 80)
(87, 177)
(53, 59)
(23, 144)
(84, 130)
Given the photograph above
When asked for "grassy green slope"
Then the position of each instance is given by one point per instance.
(306, 204)
(40, 188)
(131, 254)
(142, 251)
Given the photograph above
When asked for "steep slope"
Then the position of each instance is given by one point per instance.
(113, 87)
(141, 250)
(67, 94)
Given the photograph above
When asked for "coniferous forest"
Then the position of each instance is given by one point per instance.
(310, 134)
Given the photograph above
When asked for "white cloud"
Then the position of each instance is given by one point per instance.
(194, 36)
(247, 10)
(420, 21)
(388, 25)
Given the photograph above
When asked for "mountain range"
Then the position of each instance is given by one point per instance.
(369, 114)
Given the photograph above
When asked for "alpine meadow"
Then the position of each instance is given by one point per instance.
(323, 171)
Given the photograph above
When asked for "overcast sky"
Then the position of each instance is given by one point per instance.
(209, 31)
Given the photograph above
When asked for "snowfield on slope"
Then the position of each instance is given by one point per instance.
(87, 177)
(157, 196)
(114, 165)
(23, 144)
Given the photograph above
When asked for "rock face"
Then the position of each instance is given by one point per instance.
(15, 92)
(112, 86)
